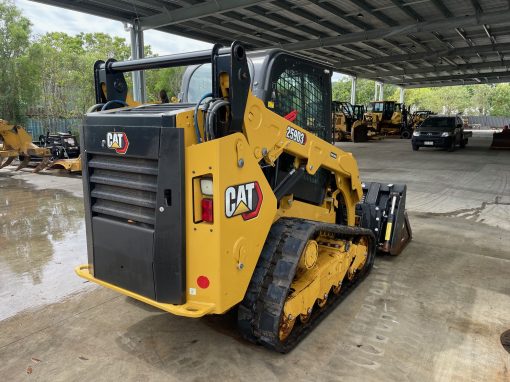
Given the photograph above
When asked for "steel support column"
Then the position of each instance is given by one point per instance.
(402, 94)
(354, 81)
(379, 91)
(137, 51)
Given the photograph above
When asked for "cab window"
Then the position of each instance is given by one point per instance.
(200, 83)
(302, 91)
(378, 107)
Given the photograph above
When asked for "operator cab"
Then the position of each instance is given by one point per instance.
(387, 108)
(289, 84)
(292, 86)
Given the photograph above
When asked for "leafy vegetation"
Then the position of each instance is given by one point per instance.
(365, 90)
(468, 100)
(52, 75)
(16, 58)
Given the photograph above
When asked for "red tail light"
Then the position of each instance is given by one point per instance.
(207, 210)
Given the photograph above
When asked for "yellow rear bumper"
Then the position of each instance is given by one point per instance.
(190, 309)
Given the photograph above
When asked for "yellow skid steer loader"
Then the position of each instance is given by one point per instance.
(220, 202)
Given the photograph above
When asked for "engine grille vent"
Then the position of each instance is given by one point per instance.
(123, 188)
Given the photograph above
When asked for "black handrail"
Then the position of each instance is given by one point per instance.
(159, 62)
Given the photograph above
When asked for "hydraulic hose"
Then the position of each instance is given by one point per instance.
(112, 102)
(211, 113)
(96, 107)
(195, 116)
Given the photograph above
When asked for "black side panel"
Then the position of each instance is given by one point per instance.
(123, 255)
(169, 251)
(135, 201)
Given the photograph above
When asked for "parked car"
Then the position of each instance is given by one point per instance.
(441, 131)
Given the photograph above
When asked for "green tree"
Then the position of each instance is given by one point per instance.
(67, 76)
(341, 90)
(365, 91)
(500, 100)
(168, 79)
(16, 61)
(481, 98)
(443, 100)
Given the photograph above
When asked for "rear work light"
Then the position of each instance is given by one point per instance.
(206, 186)
(207, 210)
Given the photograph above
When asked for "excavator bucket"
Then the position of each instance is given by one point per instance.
(501, 140)
(17, 143)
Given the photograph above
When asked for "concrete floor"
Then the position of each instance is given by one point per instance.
(435, 313)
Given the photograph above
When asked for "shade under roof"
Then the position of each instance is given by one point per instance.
(412, 43)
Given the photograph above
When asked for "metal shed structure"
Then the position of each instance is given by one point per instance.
(409, 43)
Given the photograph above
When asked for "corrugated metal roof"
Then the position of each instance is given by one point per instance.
(412, 43)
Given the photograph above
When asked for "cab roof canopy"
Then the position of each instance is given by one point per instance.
(410, 43)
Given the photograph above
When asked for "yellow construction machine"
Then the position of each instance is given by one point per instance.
(388, 118)
(17, 144)
(348, 122)
(417, 118)
(220, 202)
(70, 165)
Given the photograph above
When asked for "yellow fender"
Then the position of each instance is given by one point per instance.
(71, 165)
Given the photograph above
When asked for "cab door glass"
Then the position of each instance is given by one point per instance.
(200, 83)
(301, 90)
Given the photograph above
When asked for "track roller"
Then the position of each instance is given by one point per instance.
(305, 269)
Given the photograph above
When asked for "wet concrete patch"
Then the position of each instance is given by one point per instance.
(505, 340)
(42, 238)
(434, 313)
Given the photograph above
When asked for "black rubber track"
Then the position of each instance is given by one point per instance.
(260, 312)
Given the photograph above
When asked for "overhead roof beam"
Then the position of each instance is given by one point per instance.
(476, 5)
(375, 13)
(80, 7)
(420, 27)
(339, 13)
(486, 28)
(207, 8)
(288, 5)
(426, 55)
(464, 76)
(462, 33)
(406, 8)
(283, 21)
(439, 4)
(458, 83)
(438, 68)
(150, 4)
